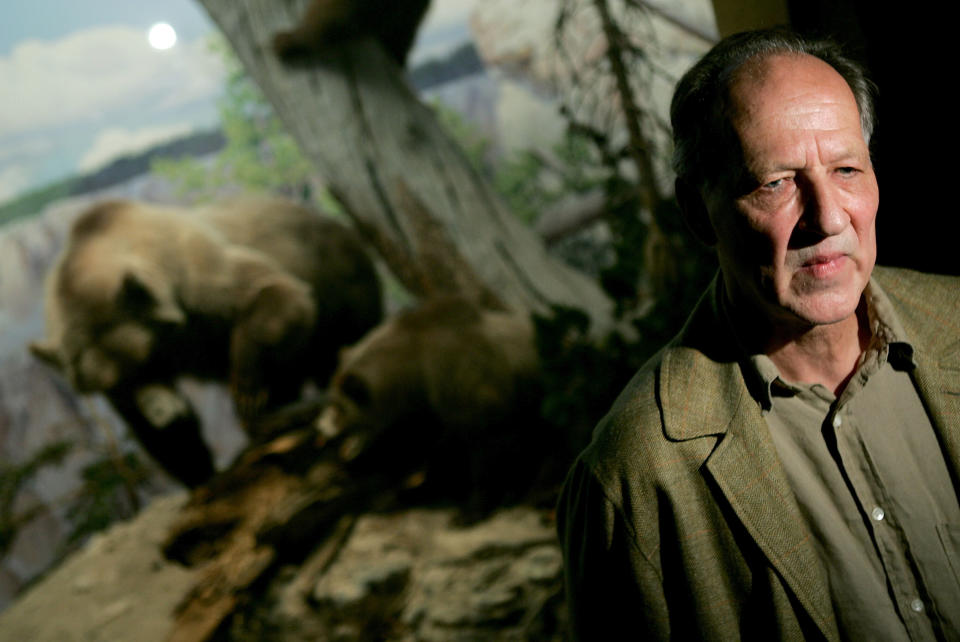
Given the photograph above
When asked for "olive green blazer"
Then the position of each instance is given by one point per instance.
(678, 522)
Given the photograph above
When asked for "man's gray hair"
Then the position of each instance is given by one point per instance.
(702, 134)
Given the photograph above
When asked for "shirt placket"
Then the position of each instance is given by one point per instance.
(888, 537)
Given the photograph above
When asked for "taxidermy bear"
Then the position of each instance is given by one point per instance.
(326, 23)
(445, 383)
(255, 291)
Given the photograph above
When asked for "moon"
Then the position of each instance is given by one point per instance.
(162, 36)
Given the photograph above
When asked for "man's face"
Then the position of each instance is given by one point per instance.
(794, 217)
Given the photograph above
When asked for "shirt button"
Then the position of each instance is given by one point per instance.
(917, 606)
(877, 513)
(837, 421)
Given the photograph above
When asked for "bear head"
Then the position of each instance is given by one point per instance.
(97, 342)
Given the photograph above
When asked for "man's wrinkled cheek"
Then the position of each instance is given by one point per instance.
(756, 246)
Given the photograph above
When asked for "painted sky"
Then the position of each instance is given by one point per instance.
(82, 85)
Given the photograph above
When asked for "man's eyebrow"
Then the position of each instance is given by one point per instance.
(776, 168)
(847, 155)
(758, 171)
(840, 150)
(842, 154)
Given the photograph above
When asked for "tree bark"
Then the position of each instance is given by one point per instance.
(403, 181)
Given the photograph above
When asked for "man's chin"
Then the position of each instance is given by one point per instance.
(825, 300)
(825, 308)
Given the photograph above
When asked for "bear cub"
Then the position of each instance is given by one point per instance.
(329, 22)
(447, 385)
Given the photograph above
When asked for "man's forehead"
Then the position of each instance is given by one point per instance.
(782, 82)
(772, 97)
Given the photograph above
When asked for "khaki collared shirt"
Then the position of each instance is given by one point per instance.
(872, 484)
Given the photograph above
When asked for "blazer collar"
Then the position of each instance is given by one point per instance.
(701, 386)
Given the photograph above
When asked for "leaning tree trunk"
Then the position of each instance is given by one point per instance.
(403, 181)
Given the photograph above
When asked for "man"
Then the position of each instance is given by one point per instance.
(786, 468)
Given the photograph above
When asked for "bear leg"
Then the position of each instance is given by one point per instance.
(176, 443)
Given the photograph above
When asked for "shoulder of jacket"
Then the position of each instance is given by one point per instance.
(630, 443)
(911, 284)
(926, 305)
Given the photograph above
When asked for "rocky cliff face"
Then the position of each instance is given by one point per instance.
(36, 408)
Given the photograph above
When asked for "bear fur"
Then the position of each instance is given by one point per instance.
(447, 384)
(256, 291)
(326, 23)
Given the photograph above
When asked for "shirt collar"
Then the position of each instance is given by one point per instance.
(888, 344)
(888, 335)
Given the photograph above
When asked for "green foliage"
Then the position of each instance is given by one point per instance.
(259, 154)
(581, 376)
(517, 181)
(620, 280)
(35, 200)
(12, 478)
(474, 145)
(108, 494)
(531, 182)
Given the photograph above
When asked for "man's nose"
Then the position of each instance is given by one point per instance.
(823, 211)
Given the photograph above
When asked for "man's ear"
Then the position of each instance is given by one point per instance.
(694, 212)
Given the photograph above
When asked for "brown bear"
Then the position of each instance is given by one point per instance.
(329, 22)
(446, 384)
(256, 291)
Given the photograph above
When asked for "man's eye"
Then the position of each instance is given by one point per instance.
(774, 184)
(847, 171)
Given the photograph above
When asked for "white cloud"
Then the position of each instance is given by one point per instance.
(116, 141)
(98, 75)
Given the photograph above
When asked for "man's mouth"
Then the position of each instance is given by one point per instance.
(824, 265)
(822, 258)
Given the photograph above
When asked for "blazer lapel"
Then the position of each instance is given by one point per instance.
(746, 468)
(704, 394)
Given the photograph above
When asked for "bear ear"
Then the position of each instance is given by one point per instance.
(136, 293)
(47, 352)
(356, 389)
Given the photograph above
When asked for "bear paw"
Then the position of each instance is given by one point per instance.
(329, 424)
(161, 406)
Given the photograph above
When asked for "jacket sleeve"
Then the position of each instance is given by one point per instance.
(611, 586)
